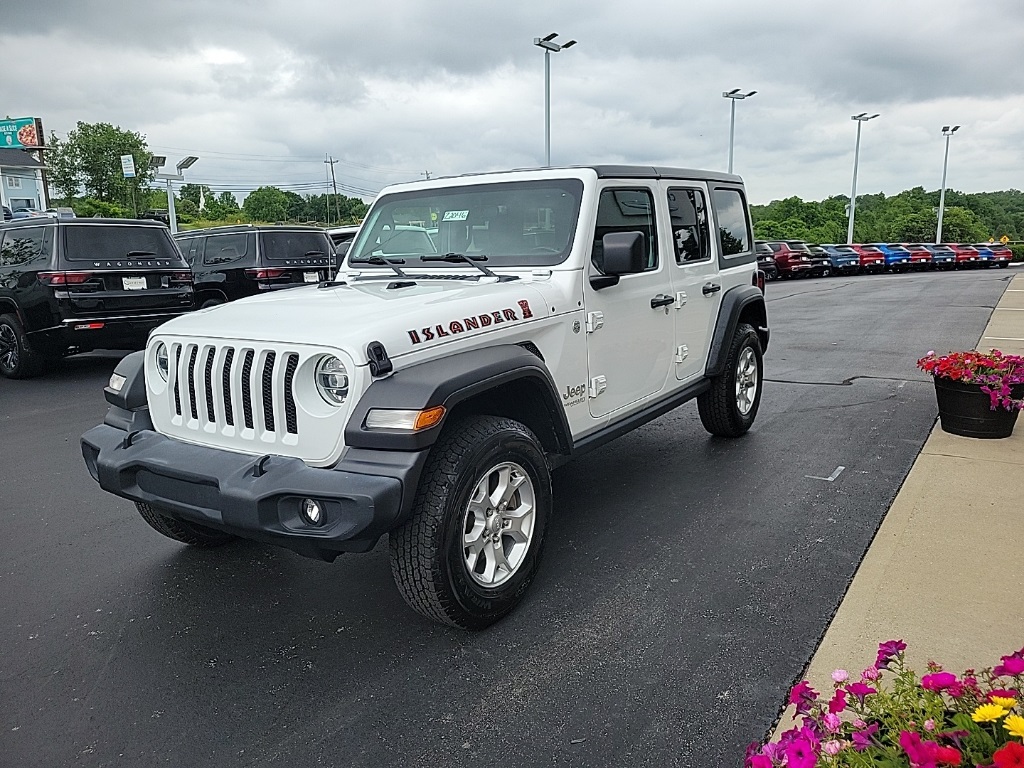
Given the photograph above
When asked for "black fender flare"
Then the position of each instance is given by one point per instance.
(734, 303)
(452, 380)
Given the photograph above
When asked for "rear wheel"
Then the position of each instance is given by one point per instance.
(187, 533)
(211, 303)
(17, 360)
(472, 546)
(729, 407)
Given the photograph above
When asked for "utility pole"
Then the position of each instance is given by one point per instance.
(337, 210)
(426, 174)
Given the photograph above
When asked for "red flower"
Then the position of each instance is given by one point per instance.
(938, 681)
(838, 702)
(1012, 664)
(860, 690)
(1010, 756)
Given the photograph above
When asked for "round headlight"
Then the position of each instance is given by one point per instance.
(162, 360)
(332, 380)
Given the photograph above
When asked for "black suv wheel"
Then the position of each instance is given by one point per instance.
(17, 361)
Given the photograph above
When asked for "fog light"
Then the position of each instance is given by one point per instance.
(311, 512)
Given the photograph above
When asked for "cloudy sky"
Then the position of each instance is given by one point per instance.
(261, 90)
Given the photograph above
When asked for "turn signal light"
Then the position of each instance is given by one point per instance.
(265, 274)
(414, 421)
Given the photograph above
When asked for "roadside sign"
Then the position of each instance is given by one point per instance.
(1004, 239)
(20, 132)
(991, 239)
(128, 166)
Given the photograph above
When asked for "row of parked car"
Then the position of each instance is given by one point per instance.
(796, 258)
(74, 285)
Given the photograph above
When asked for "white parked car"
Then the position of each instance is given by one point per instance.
(430, 390)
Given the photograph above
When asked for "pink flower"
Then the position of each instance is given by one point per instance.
(938, 681)
(832, 747)
(863, 739)
(838, 702)
(840, 675)
(858, 723)
(759, 761)
(801, 697)
(860, 691)
(832, 722)
(869, 674)
(888, 651)
(929, 724)
(799, 754)
(1012, 664)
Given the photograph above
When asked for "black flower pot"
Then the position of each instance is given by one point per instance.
(967, 411)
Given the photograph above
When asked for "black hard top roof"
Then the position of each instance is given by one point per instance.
(38, 221)
(240, 228)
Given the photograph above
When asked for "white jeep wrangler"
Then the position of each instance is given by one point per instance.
(482, 331)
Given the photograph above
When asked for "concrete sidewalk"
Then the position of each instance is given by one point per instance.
(945, 572)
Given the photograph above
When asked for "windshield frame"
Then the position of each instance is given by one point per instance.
(373, 225)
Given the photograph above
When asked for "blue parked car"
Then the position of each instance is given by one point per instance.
(844, 259)
(897, 258)
(985, 255)
(943, 257)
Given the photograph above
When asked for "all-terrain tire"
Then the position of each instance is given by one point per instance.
(17, 360)
(187, 533)
(430, 557)
(729, 407)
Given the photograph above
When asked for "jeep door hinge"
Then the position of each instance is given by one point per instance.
(595, 320)
(680, 299)
(598, 384)
(682, 353)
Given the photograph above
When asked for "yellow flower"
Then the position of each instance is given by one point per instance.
(986, 713)
(1003, 701)
(1015, 725)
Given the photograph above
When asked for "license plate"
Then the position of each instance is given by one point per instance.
(311, 277)
(134, 283)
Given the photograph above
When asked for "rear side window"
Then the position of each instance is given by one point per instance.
(733, 229)
(191, 248)
(20, 245)
(688, 212)
(224, 249)
(283, 246)
(90, 243)
(627, 210)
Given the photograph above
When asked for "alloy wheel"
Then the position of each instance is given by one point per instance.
(746, 380)
(498, 525)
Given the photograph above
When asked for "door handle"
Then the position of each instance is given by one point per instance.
(710, 288)
(661, 300)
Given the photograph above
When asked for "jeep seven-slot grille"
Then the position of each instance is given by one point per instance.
(226, 377)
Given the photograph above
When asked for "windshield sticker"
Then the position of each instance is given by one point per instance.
(455, 215)
(475, 323)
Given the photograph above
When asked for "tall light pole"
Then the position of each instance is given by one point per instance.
(157, 161)
(947, 132)
(862, 118)
(549, 47)
(734, 95)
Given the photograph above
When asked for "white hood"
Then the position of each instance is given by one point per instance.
(403, 319)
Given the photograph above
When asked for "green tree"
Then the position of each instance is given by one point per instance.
(89, 160)
(266, 204)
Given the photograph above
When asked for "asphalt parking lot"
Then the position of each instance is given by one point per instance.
(686, 580)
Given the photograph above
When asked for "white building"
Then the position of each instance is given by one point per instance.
(21, 180)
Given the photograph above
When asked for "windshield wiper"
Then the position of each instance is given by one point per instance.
(460, 258)
(386, 261)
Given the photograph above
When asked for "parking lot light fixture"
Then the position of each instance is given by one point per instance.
(549, 46)
(947, 132)
(734, 95)
(862, 118)
(181, 165)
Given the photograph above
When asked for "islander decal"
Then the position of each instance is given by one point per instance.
(475, 323)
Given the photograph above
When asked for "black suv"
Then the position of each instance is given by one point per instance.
(766, 260)
(230, 263)
(74, 285)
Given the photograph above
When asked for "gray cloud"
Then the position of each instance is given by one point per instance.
(262, 89)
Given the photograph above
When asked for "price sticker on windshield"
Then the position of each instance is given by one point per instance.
(455, 215)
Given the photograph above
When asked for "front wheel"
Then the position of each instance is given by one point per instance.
(187, 533)
(472, 545)
(728, 408)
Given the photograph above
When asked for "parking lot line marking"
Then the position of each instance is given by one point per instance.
(1011, 309)
(1002, 338)
(830, 479)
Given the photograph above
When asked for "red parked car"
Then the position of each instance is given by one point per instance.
(871, 257)
(967, 255)
(792, 257)
(920, 257)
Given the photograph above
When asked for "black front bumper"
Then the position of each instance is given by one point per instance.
(253, 497)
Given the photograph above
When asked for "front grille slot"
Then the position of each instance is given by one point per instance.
(192, 382)
(177, 380)
(291, 423)
(268, 391)
(208, 385)
(229, 412)
(246, 390)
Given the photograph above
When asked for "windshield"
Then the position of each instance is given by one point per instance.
(516, 223)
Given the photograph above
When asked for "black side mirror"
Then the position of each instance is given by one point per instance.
(621, 253)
